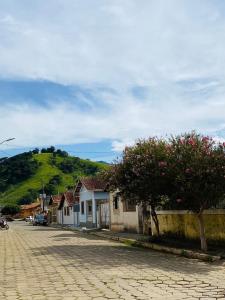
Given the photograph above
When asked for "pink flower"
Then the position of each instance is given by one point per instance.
(162, 164)
(163, 174)
(182, 141)
(187, 171)
(179, 200)
(191, 142)
(205, 139)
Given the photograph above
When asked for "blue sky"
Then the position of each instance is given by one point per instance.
(93, 76)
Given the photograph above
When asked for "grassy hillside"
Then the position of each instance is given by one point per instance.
(49, 165)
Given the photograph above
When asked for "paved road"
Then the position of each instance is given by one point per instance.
(46, 263)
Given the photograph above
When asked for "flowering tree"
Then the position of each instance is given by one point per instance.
(141, 176)
(197, 172)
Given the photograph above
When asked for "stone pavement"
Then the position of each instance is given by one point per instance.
(49, 263)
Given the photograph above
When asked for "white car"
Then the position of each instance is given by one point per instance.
(29, 219)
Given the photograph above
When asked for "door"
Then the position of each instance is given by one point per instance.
(104, 211)
(89, 213)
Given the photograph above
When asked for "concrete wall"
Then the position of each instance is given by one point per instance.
(123, 220)
(68, 220)
(186, 223)
(62, 218)
(59, 216)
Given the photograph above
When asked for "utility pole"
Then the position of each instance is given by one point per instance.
(43, 197)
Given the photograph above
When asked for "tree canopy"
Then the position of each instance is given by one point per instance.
(188, 170)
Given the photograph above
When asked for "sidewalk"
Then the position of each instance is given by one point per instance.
(143, 241)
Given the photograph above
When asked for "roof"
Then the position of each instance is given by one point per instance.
(93, 183)
(69, 197)
(56, 199)
(30, 206)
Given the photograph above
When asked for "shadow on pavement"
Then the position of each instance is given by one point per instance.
(102, 254)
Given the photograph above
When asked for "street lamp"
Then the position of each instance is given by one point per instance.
(8, 140)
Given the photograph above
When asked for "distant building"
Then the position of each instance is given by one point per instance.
(65, 214)
(29, 209)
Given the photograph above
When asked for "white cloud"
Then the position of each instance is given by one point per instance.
(66, 123)
(162, 45)
(112, 42)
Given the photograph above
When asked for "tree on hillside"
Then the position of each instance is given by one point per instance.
(61, 153)
(141, 176)
(16, 169)
(197, 171)
(10, 209)
(50, 149)
(29, 197)
(35, 151)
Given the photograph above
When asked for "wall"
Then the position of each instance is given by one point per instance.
(24, 213)
(59, 216)
(186, 223)
(101, 195)
(68, 220)
(123, 220)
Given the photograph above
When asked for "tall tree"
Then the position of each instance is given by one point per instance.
(141, 176)
(197, 172)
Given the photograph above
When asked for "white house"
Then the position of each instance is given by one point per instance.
(65, 214)
(94, 203)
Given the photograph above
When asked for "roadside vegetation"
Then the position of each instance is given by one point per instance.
(183, 172)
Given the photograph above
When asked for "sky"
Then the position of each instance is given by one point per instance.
(93, 76)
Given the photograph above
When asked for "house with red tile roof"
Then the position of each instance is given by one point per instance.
(93, 199)
(65, 214)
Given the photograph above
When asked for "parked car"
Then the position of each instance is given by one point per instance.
(40, 220)
(29, 219)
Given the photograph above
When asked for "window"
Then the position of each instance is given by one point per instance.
(129, 206)
(66, 211)
(82, 208)
(116, 202)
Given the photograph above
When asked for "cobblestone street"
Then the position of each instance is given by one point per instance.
(47, 263)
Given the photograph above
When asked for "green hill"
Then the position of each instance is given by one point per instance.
(22, 177)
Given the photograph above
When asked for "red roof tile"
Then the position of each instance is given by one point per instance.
(69, 196)
(93, 183)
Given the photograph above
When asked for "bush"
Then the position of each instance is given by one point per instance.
(10, 209)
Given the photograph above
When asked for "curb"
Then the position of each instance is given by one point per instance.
(134, 243)
(181, 252)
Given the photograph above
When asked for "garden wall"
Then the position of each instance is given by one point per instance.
(184, 223)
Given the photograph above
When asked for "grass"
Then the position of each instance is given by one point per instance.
(44, 173)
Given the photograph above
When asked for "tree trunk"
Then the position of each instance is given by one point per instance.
(155, 220)
(202, 231)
